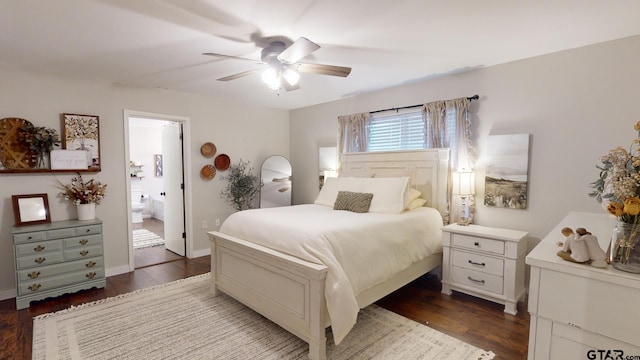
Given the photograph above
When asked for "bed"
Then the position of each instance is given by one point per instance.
(306, 289)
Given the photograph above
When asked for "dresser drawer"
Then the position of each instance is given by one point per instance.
(61, 268)
(39, 260)
(477, 279)
(82, 252)
(45, 284)
(580, 301)
(29, 237)
(40, 247)
(478, 262)
(88, 230)
(61, 233)
(83, 241)
(478, 243)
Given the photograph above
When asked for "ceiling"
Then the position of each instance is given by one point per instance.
(159, 43)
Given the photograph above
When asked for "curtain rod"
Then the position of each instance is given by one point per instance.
(470, 98)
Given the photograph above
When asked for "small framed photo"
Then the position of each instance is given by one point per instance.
(157, 163)
(82, 132)
(31, 209)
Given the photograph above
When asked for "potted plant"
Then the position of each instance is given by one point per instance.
(84, 194)
(242, 185)
(41, 141)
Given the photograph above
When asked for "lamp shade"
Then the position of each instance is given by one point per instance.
(462, 182)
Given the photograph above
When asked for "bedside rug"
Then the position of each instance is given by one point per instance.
(182, 320)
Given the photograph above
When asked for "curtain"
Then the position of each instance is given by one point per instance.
(448, 124)
(353, 133)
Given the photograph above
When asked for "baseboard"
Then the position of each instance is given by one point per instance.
(8, 294)
(200, 253)
(117, 271)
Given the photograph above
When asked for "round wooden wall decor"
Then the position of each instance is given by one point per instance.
(208, 172)
(222, 162)
(14, 154)
(208, 149)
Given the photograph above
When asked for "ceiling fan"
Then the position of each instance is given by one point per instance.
(283, 66)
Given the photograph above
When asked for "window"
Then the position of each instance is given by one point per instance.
(406, 131)
(403, 131)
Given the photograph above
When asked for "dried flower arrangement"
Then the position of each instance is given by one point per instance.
(81, 192)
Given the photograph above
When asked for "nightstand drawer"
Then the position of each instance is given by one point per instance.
(477, 280)
(477, 262)
(478, 243)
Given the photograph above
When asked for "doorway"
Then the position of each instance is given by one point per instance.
(156, 185)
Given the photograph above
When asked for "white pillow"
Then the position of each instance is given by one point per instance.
(332, 185)
(416, 203)
(388, 194)
(412, 194)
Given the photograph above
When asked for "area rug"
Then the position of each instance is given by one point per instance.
(182, 320)
(144, 238)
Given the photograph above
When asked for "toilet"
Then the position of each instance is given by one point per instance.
(137, 206)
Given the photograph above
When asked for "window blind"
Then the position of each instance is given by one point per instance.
(403, 131)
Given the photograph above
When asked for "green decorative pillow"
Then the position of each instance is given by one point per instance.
(353, 201)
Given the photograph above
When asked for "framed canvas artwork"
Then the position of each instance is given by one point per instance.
(506, 179)
(82, 132)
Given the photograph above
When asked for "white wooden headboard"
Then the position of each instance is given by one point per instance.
(428, 170)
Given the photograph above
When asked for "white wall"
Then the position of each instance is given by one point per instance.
(239, 130)
(576, 104)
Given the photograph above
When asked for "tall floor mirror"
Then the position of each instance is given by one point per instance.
(276, 177)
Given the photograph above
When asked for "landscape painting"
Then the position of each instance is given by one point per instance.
(506, 179)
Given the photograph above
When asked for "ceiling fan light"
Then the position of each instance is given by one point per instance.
(271, 78)
(291, 76)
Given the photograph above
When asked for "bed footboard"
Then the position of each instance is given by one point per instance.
(286, 290)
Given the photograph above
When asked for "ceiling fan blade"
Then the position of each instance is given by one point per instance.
(286, 86)
(232, 57)
(239, 75)
(324, 69)
(298, 50)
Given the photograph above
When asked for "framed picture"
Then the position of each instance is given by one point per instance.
(157, 163)
(31, 209)
(82, 132)
(506, 180)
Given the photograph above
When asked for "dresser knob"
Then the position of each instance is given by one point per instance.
(83, 242)
(90, 264)
(91, 275)
(39, 248)
(40, 260)
(33, 274)
(476, 243)
(88, 230)
(34, 287)
(84, 252)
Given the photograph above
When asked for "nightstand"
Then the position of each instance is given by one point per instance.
(484, 262)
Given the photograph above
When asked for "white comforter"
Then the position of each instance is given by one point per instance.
(360, 250)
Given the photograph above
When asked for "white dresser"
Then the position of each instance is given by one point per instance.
(485, 262)
(579, 311)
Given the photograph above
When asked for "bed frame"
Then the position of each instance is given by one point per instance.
(290, 291)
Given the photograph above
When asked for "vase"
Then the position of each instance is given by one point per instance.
(625, 247)
(86, 211)
(43, 161)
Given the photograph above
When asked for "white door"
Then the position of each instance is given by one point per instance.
(172, 180)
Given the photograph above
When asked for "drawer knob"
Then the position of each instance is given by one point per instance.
(91, 275)
(30, 237)
(34, 287)
(475, 280)
(83, 242)
(33, 274)
(90, 264)
(88, 230)
(84, 252)
(476, 243)
(476, 263)
(39, 248)
(40, 260)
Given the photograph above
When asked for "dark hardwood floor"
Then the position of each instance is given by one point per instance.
(152, 255)
(478, 322)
